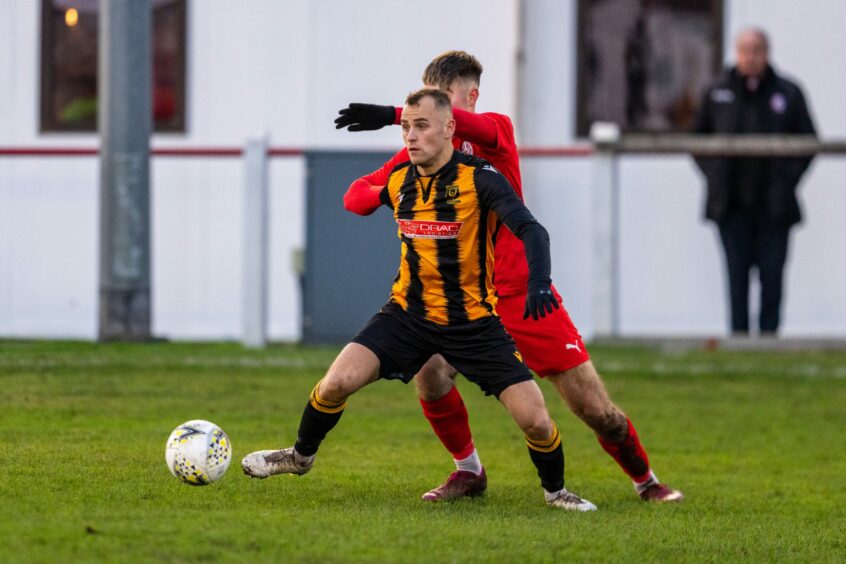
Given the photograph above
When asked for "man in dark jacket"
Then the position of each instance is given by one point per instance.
(753, 200)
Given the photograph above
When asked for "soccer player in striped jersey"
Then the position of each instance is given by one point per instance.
(551, 346)
(449, 207)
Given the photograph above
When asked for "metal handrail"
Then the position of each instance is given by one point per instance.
(579, 150)
(700, 145)
(735, 145)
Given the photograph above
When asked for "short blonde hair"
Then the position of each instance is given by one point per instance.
(449, 66)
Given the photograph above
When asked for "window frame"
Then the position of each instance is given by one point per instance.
(48, 123)
(582, 123)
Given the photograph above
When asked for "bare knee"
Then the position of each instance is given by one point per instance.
(538, 428)
(335, 387)
(524, 401)
(435, 379)
(603, 417)
(585, 395)
(610, 425)
(353, 369)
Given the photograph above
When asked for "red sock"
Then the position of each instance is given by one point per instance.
(449, 419)
(629, 454)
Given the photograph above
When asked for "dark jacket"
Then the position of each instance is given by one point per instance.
(785, 112)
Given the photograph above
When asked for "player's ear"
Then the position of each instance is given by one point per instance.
(473, 95)
(449, 127)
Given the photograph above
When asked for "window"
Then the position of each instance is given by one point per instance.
(645, 64)
(69, 65)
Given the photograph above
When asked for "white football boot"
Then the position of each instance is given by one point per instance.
(564, 499)
(265, 463)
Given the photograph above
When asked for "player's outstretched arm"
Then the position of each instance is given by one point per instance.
(366, 194)
(479, 129)
(366, 117)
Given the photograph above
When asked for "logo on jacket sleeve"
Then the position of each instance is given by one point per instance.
(419, 229)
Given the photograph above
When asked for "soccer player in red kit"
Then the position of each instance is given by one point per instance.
(551, 346)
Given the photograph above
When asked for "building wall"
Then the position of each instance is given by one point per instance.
(315, 57)
(283, 69)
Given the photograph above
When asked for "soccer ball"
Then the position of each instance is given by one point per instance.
(198, 452)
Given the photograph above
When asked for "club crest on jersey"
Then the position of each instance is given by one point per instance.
(452, 194)
(419, 229)
(467, 148)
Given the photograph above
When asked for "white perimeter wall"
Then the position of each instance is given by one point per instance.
(284, 68)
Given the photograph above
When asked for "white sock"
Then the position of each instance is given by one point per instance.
(470, 464)
(650, 481)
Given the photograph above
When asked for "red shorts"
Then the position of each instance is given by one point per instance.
(551, 344)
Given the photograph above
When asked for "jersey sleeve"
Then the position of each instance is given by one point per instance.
(489, 130)
(366, 194)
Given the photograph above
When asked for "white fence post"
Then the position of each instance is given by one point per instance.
(605, 137)
(255, 251)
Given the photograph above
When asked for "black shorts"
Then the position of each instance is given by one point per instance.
(481, 350)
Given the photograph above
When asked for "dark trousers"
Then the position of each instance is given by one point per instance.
(750, 241)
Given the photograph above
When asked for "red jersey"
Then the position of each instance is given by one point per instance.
(491, 137)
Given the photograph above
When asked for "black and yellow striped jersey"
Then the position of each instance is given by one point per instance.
(447, 224)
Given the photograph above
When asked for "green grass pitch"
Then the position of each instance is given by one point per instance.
(755, 441)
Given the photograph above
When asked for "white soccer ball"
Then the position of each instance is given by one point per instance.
(198, 452)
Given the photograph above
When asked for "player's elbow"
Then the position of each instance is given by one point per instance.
(350, 204)
(534, 232)
(353, 203)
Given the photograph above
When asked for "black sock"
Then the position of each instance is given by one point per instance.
(548, 458)
(319, 417)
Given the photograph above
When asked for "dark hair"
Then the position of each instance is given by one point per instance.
(451, 65)
(439, 96)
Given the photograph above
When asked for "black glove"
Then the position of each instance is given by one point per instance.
(365, 117)
(539, 300)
